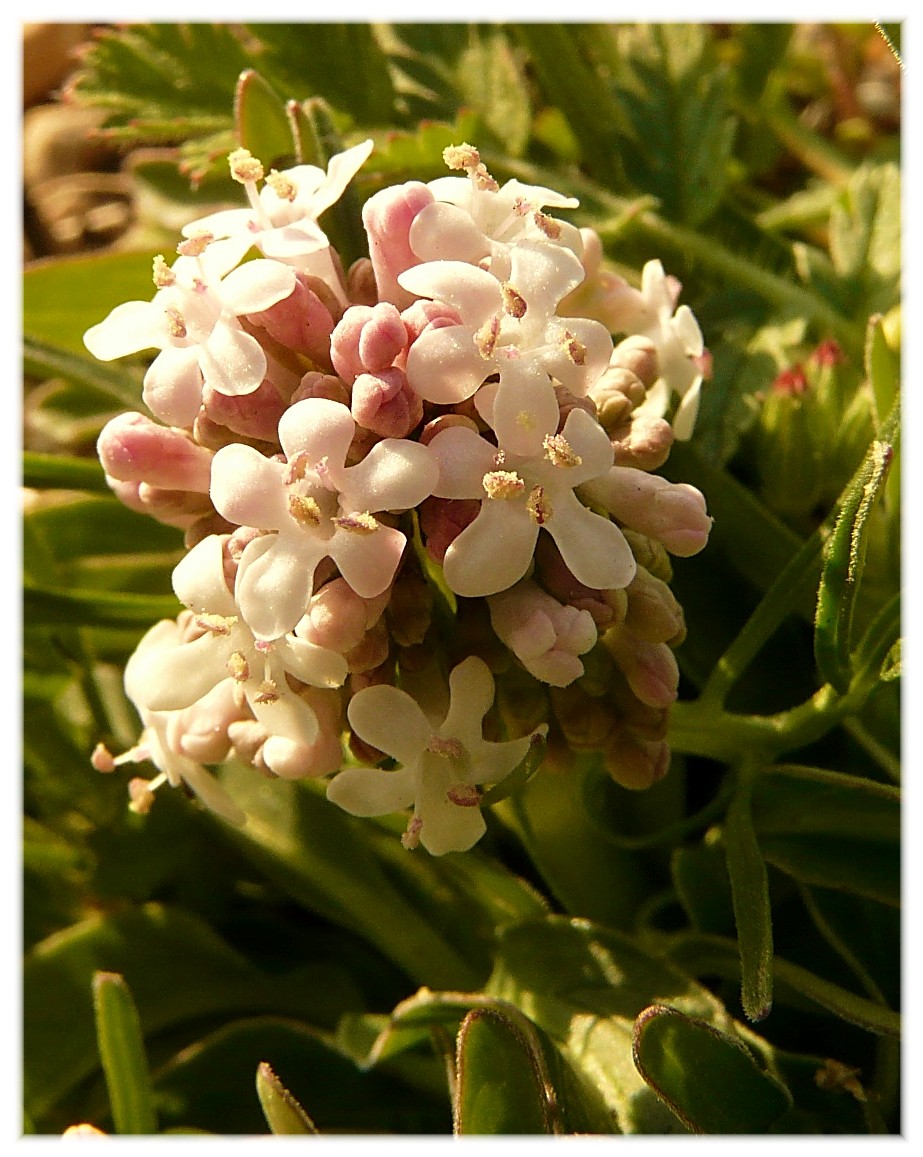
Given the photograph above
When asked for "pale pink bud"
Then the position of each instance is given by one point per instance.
(299, 322)
(672, 512)
(166, 506)
(424, 315)
(367, 340)
(201, 730)
(315, 385)
(635, 763)
(292, 760)
(643, 443)
(253, 415)
(650, 668)
(337, 617)
(132, 448)
(545, 635)
(639, 355)
(247, 737)
(555, 576)
(387, 217)
(386, 404)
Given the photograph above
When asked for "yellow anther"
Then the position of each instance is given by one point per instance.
(500, 484)
(559, 451)
(216, 624)
(238, 667)
(268, 692)
(538, 506)
(513, 301)
(163, 275)
(177, 323)
(284, 188)
(485, 339)
(304, 510)
(245, 168)
(358, 523)
(450, 748)
(574, 348)
(196, 245)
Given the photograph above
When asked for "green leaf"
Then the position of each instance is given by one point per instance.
(891, 667)
(283, 1113)
(752, 911)
(121, 1049)
(63, 297)
(844, 560)
(96, 608)
(830, 829)
(121, 385)
(882, 366)
(865, 237)
(58, 472)
(492, 84)
(501, 1085)
(584, 985)
(261, 122)
(674, 98)
(707, 1077)
(177, 969)
(701, 880)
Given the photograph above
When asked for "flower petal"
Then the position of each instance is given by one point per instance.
(471, 687)
(198, 579)
(463, 457)
(493, 552)
(317, 666)
(447, 826)
(170, 678)
(232, 361)
(441, 231)
(594, 549)
(256, 286)
(525, 408)
(388, 719)
(130, 327)
(287, 716)
(173, 385)
(475, 293)
(396, 474)
(365, 791)
(318, 428)
(444, 366)
(367, 561)
(275, 578)
(247, 489)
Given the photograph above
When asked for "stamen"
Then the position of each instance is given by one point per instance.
(196, 245)
(141, 793)
(485, 339)
(358, 523)
(102, 758)
(559, 451)
(513, 301)
(284, 188)
(296, 468)
(503, 484)
(411, 838)
(245, 168)
(216, 624)
(451, 748)
(177, 324)
(547, 225)
(538, 506)
(574, 348)
(163, 275)
(268, 692)
(304, 510)
(238, 667)
(463, 156)
(464, 795)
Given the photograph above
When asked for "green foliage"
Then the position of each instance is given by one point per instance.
(600, 962)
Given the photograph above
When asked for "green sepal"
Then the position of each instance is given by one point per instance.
(283, 1114)
(260, 119)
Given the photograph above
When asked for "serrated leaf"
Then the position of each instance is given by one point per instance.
(823, 827)
(707, 1077)
(282, 1112)
(501, 1083)
(492, 84)
(674, 97)
(124, 1060)
(865, 237)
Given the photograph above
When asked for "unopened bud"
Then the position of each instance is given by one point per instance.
(653, 614)
(638, 355)
(635, 763)
(644, 443)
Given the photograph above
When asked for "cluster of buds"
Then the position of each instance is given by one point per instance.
(422, 529)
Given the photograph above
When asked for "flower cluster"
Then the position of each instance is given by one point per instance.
(423, 533)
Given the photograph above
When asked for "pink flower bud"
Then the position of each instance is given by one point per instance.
(201, 730)
(253, 415)
(650, 668)
(167, 506)
(543, 634)
(132, 448)
(644, 443)
(315, 385)
(386, 404)
(367, 340)
(337, 617)
(635, 763)
(443, 519)
(672, 512)
(291, 760)
(424, 315)
(299, 322)
(387, 216)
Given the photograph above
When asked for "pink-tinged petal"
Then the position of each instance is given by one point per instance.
(275, 578)
(221, 224)
(493, 552)
(687, 331)
(463, 458)
(687, 412)
(132, 448)
(387, 217)
(318, 428)
(316, 666)
(173, 385)
(590, 443)
(543, 274)
(395, 475)
(596, 352)
(171, 678)
(247, 488)
(257, 285)
(538, 195)
(364, 791)
(525, 408)
(444, 366)
(471, 690)
(218, 259)
(293, 241)
(287, 716)
(340, 171)
(198, 578)
(441, 231)
(232, 361)
(455, 190)
(475, 293)
(367, 561)
(130, 327)
(594, 548)
(388, 719)
(211, 793)
(447, 827)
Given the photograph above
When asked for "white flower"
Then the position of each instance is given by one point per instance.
(509, 329)
(281, 219)
(680, 348)
(521, 495)
(545, 635)
(192, 320)
(440, 765)
(316, 507)
(170, 678)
